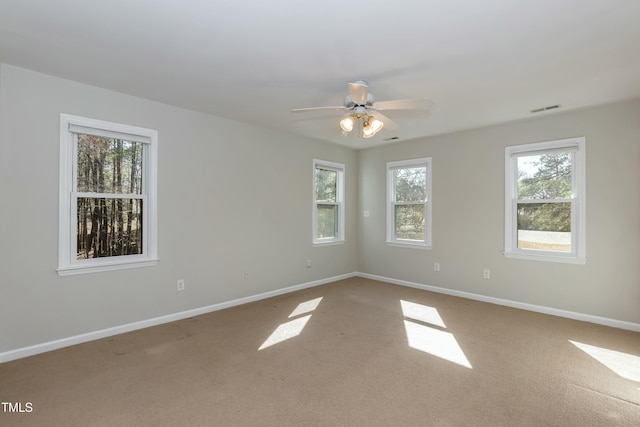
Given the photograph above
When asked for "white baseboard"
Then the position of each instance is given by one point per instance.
(103, 333)
(515, 304)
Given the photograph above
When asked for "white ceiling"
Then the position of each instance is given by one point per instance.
(481, 62)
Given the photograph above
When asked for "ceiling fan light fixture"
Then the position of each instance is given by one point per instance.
(346, 124)
(359, 106)
(371, 127)
(376, 125)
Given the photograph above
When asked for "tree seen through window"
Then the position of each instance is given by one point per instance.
(109, 197)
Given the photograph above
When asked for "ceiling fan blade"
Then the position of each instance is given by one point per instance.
(403, 104)
(302, 110)
(359, 92)
(388, 123)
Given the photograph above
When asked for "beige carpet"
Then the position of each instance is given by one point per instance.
(370, 354)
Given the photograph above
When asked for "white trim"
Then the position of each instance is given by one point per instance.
(102, 267)
(416, 244)
(576, 145)
(534, 255)
(109, 130)
(391, 240)
(67, 264)
(331, 242)
(32, 350)
(340, 170)
(509, 303)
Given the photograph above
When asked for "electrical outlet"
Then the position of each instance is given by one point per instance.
(486, 273)
(308, 263)
(180, 285)
(436, 266)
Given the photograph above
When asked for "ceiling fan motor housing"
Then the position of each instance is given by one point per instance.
(359, 111)
(348, 102)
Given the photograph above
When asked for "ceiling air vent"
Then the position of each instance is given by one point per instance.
(550, 107)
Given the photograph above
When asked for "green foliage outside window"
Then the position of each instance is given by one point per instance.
(326, 185)
(545, 177)
(326, 199)
(410, 196)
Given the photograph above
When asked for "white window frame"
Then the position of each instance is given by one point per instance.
(428, 204)
(578, 203)
(70, 125)
(339, 168)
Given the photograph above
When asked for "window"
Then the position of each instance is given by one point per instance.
(328, 202)
(107, 196)
(409, 203)
(545, 201)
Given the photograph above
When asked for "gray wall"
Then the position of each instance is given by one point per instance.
(232, 197)
(468, 213)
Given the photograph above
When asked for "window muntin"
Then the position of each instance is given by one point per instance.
(328, 202)
(409, 205)
(545, 201)
(107, 196)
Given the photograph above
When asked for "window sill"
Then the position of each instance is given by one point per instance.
(98, 268)
(408, 245)
(545, 257)
(328, 243)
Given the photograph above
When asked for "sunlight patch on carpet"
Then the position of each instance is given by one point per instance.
(421, 313)
(428, 339)
(305, 307)
(624, 364)
(286, 331)
(292, 328)
(435, 342)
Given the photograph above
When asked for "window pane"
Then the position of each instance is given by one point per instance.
(326, 184)
(409, 220)
(545, 176)
(109, 227)
(107, 165)
(410, 184)
(544, 226)
(326, 221)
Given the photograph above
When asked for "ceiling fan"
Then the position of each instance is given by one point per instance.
(361, 109)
